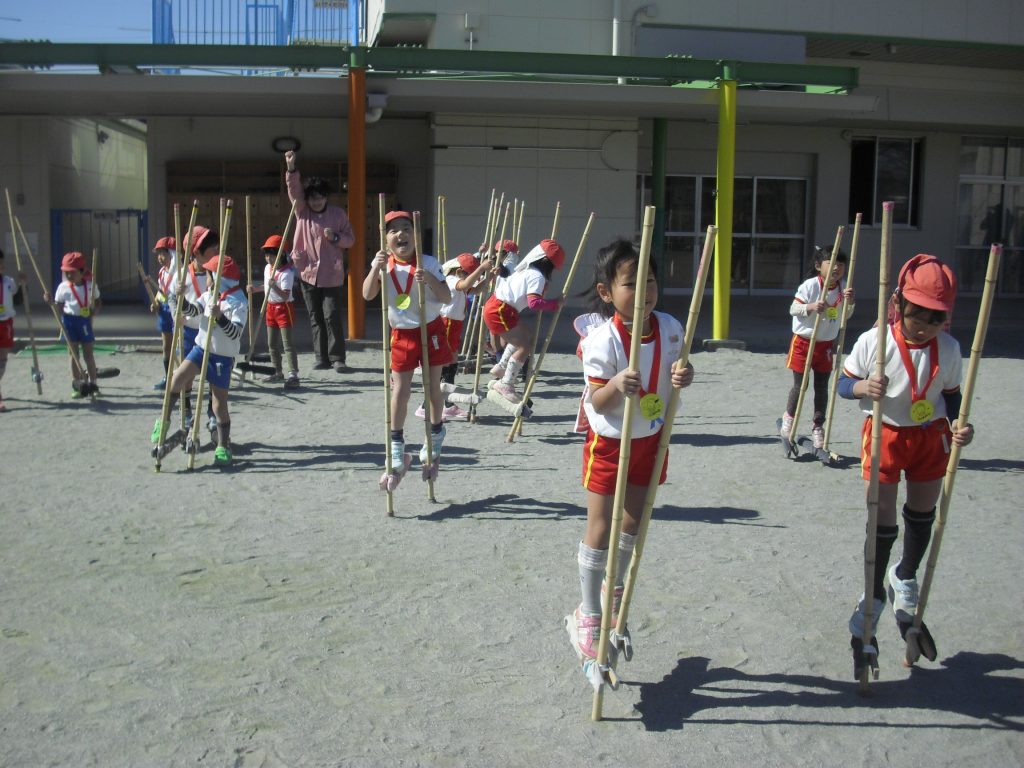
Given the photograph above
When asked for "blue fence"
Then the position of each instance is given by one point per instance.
(120, 238)
(251, 22)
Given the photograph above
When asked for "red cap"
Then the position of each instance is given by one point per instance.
(198, 235)
(392, 215)
(72, 260)
(230, 270)
(274, 241)
(554, 252)
(164, 244)
(506, 246)
(927, 282)
(468, 262)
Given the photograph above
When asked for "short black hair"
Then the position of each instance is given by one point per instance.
(924, 314)
(606, 267)
(316, 185)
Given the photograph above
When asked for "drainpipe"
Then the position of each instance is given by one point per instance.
(357, 192)
(616, 25)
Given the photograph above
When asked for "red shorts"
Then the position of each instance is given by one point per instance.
(406, 350)
(797, 359)
(281, 315)
(601, 462)
(921, 452)
(7, 333)
(453, 332)
(499, 316)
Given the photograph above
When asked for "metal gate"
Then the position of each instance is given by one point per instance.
(119, 237)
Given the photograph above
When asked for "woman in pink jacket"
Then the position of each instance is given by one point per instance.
(322, 233)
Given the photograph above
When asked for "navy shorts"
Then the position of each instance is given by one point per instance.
(164, 319)
(189, 339)
(218, 369)
(78, 329)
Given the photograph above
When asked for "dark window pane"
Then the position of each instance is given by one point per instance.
(675, 269)
(781, 204)
(777, 263)
(862, 180)
(680, 199)
(1012, 267)
(1012, 235)
(1015, 159)
(970, 266)
(742, 203)
(894, 167)
(741, 262)
(979, 214)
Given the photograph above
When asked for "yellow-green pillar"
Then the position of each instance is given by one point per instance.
(723, 201)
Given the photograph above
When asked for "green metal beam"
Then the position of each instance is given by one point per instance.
(418, 60)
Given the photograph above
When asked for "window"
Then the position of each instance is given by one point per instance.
(885, 169)
(769, 231)
(990, 210)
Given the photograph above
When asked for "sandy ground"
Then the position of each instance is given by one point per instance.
(270, 615)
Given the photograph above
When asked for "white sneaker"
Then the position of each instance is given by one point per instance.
(420, 413)
(454, 413)
(903, 595)
(506, 390)
(787, 425)
(817, 436)
(497, 371)
(436, 441)
(857, 619)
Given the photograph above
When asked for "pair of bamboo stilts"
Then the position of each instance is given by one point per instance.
(603, 671)
(37, 374)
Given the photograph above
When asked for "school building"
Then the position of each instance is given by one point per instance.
(820, 108)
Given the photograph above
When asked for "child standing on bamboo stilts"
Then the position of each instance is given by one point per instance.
(522, 288)
(814, 298)
(193, 283)
(920, 395)
(8, 290)
(164, 251)
(404, 268)
(228, 312)
(605, 353)
(79, 300)
(280, 319)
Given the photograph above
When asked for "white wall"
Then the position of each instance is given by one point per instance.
(92, 165)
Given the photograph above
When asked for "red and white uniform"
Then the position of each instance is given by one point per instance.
(454, 313)
(194, 287)
(920, 449)
(401, 282)
(164, 278)
(515, 289)
(7, 290)
(810, 292)
(76, 297)
(605, 352)
(280, 305)
(235, 307)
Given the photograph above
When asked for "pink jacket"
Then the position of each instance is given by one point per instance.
(318, 262)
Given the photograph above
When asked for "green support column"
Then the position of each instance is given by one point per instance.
(659, 153)
(724, 203)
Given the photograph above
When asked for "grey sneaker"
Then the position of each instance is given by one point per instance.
(857, 619)
(903, 596)
(436, 441)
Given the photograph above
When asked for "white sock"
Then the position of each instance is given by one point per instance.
(592, 564)
(626, 544)
(511, 371)
(507, 354)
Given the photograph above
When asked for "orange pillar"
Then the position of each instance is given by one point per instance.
(357, 195)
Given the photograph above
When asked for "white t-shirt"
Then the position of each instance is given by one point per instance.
(285, 280)
(191, 281)
(456, 308)
(605, 354)
(7, 290)
(896, 403)
(74, 297)
(401, 272)
(235, 307)
(164, 278)
(515, 288)
(810, 292)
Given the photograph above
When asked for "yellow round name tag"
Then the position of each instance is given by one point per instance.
(403, 301)
(921, 411)
(831, 313)
(652, 406)
(2, 309)
(84, 311)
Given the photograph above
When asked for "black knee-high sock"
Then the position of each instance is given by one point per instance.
(916, 535)
(794, 393)
(885, 537)
(820, 397)
(397, 435)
